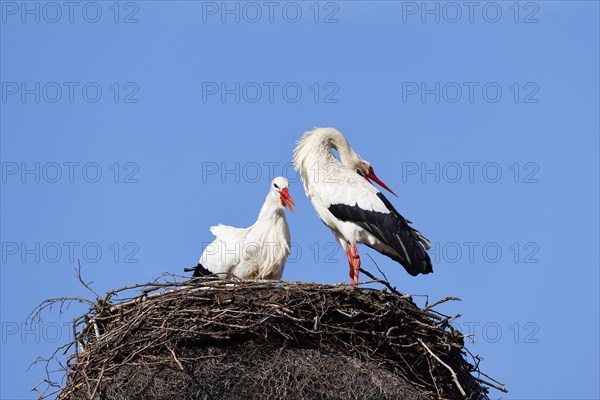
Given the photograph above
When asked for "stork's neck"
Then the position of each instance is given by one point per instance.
(316, 146)
(334, 139)
(271, 209)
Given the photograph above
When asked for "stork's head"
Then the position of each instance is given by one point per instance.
(279, 188)
(364, 169)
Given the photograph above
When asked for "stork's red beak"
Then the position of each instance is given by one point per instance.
(286, 200)
(371, 176)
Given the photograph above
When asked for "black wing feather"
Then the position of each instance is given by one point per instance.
(393, 230)
(199, 270)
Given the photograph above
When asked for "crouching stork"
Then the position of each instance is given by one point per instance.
(257, 252)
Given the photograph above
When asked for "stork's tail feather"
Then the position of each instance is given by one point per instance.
(411, 246)
(414, 257)
(424, 241)
(198, 270)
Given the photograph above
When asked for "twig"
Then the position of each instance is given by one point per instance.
(85, 285)
(454, 377)
(98, 383)
(96, 330)
(429, 307)
(175, 358)
(500, 388)
(378, 269)
(384, 283)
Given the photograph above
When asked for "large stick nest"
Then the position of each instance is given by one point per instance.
(215, 339)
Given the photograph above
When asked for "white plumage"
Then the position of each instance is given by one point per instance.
(257, 252)
(354, 210)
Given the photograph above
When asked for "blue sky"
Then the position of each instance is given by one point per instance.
(128, 129)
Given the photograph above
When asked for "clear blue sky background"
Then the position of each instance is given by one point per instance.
(533, 307)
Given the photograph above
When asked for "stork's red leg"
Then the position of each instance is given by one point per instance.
(354, 262)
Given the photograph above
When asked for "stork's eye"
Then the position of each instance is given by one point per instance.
(276, 187)
(358, 171)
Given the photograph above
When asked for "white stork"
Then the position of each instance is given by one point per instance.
(354, 210)
(257, 252)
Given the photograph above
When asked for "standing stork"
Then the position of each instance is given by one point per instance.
(257, 252)
(351, 206)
